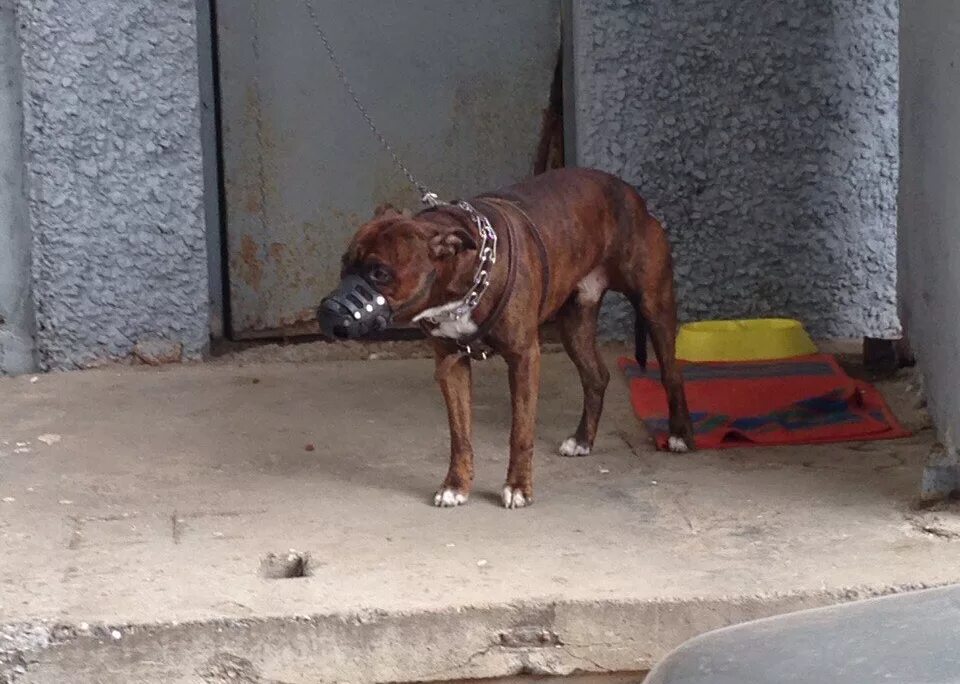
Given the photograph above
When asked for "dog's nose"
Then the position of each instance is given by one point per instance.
(335, 321)
(355, 309)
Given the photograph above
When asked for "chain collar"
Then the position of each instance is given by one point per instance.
(487, 258)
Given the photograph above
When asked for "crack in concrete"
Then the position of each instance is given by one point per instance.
(76, 532)
(936, 530)
(941, 521)
(597, 666)
(458, 669)
(176, 528)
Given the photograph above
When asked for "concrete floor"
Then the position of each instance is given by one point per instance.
(137, 504)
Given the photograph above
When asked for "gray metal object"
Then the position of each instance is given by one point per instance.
(929, 240)
(569, 76)
(457, 88)
(905, 639)
(206, 74)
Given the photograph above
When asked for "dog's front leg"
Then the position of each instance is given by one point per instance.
(453, 376)
(524, 372)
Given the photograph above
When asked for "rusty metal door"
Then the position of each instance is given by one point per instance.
(459, 88)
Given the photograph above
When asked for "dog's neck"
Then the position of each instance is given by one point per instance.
(447, 315)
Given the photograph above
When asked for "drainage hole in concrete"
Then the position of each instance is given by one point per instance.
(285, 565)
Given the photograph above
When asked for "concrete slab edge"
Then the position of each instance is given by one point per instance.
(538, 637)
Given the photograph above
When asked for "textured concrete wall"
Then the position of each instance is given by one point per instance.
(765, 134)
(112, 136)
(16, 311)
(930, 217)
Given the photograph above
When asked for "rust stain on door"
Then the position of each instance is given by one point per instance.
(252, 270)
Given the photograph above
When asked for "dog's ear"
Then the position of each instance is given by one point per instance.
(451, 240)
(387, 210)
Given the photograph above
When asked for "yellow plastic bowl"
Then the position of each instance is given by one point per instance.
(746, 340)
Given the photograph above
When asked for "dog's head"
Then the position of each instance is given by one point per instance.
(392, 269)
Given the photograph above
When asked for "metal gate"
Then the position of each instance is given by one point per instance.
(459, 88)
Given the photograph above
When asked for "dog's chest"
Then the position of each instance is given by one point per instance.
(455, 330)
(439, 324)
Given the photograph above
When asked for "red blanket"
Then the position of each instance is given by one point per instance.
(803, 400)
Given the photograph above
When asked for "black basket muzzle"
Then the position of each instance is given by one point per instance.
(354, 310)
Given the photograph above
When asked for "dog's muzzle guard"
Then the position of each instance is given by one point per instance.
(354, 310)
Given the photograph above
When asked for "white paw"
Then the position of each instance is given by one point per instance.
(448, 498)
(677, 445)
(571, 447)
(513, 498)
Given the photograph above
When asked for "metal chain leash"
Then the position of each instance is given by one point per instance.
(487, 252)
(428, 197)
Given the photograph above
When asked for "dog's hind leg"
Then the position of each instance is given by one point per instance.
(578, 328)
(651, 276)
(639, 333)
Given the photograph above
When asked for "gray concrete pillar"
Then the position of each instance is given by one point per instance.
(16, 307)
(929, 226)
(112, 144)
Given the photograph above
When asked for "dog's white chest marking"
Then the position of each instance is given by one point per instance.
(455, 330)
(445, 327)
(590, 290)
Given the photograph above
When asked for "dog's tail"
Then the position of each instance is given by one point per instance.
(639, 335)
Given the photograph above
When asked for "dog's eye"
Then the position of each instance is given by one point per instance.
(379, 275)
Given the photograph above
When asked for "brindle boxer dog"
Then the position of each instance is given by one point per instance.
(565, 238)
